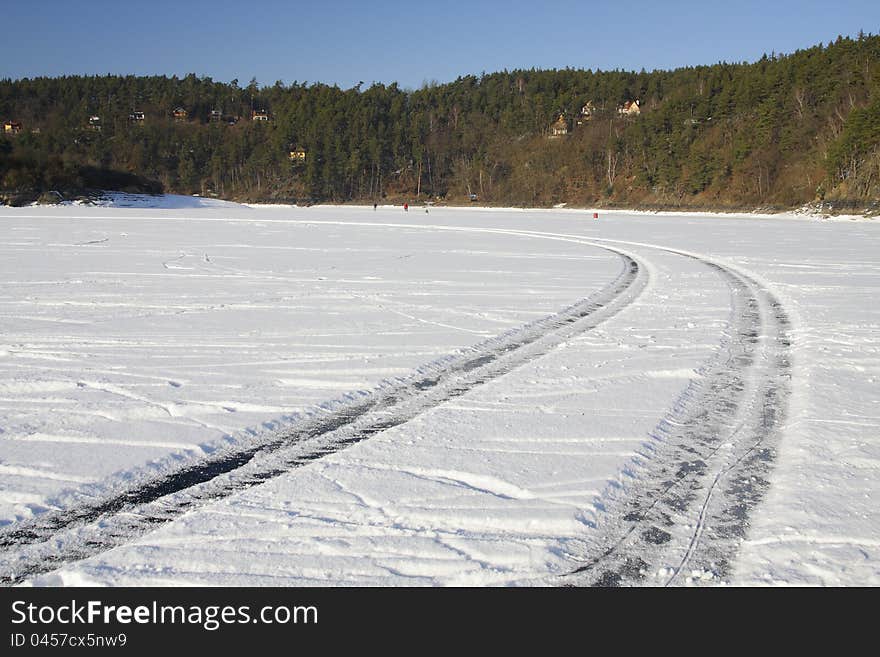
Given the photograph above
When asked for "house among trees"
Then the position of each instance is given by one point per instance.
(559, 128)
(216, 116)
(819, 99)
(629, 108)
(180, 114)
(587, 112)
(95, 123)
(297, 155)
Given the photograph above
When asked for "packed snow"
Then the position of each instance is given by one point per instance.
(150, 333)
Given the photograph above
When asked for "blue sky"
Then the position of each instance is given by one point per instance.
(411, 42)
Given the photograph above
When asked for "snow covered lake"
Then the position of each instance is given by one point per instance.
(725, 366)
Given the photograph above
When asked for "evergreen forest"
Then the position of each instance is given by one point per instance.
(776, 133)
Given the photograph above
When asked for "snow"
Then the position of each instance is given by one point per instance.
(152, 332)
(164, 201)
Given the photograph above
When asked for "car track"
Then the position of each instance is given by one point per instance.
(682, 523)
(57, 538)
(712, 456)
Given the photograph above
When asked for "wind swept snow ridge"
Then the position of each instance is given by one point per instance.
(54, 539)
(712, 457)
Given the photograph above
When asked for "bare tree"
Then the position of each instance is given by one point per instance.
(612, 158)
(801, 99)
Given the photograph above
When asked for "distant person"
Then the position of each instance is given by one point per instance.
(406, 207)
(374, 206)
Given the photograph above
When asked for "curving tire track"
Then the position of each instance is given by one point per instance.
(712, 460)
(54, 539)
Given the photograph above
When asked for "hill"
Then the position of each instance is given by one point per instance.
(777, 133)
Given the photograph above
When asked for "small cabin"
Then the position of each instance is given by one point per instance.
(630, 108)
(559, 128)
(260, 115)
(12, 127)
(216, 116)
(136, 117)
(95, 123)
(180, 114)
(297, 155)
(587, 113)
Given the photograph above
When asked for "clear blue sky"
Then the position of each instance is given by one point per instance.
(412, 42)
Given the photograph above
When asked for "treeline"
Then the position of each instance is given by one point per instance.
(781, 131)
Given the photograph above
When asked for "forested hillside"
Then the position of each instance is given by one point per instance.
(778, 132)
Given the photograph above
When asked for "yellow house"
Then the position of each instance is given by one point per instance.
(180, 114)
(12, 127)
(297, 155)
(260, 115)
(559, 128)
(630, 108)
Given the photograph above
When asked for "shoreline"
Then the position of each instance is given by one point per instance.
(129, 200)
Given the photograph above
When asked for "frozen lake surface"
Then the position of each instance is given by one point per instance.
(709, 409)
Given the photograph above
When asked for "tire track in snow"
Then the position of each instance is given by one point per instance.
(56, 538)
(685, 519)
